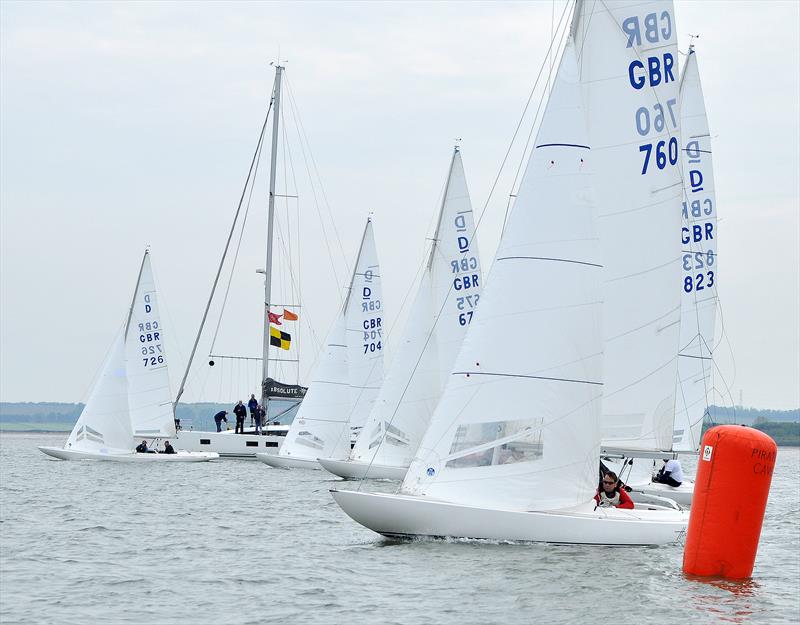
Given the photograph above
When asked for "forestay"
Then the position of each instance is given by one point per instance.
(104, 424)
(517, 425)
(149, 396)
(448, 293)
(628, 63)
(699, 263)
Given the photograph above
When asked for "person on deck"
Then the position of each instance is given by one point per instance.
(252, 404)
(241, 412)
(259, 417)
(219, 418)
(141, 448)
(611, 495)
(168, 448)
(671, 473)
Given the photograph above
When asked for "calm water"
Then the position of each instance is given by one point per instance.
(237, 542)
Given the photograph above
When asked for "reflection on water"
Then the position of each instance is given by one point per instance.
(732, 605)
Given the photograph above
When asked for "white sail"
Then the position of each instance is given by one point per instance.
(698, 283)
(149, 395)
(365, 336)
(104, 425)
(517, 425)
(323, 415)
(344, 382)
(628, 63)
(448, 293)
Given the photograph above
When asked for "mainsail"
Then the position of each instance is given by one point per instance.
(365, 336)
(517, 425)
(448, 293)
(699, 263)
(349, 371)
(150, 400)
(628, 63)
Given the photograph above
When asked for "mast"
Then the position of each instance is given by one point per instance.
(276, 102)
(441, 209)
(135, 291)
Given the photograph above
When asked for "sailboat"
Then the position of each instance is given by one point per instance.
(698, 306)
(131, 399)
(446, 299)
(348, 374)
(273, 391)
(511, 452)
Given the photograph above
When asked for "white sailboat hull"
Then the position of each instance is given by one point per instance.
(682, 495)
(123, 456)
(407, 516)
(284, 462)
(355, 470)
(231, 445)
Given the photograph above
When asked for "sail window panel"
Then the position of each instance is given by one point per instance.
(496, 442)
(307, 439)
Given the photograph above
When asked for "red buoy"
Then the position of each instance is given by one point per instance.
(730, 495)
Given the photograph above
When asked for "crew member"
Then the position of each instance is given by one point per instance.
(611, 495)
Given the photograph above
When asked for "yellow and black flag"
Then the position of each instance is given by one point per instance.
(280, 339)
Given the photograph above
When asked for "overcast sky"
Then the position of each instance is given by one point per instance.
(126, 125)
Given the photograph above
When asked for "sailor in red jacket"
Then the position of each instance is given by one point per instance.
(612, 494)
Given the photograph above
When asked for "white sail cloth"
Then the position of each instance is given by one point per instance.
(131, 398)
(517, 426)
(444, 305)
(364, 318)
(323, 414)
(149, 396)
(349, 371)
(699, 264)
(628, 63)
(104, 424)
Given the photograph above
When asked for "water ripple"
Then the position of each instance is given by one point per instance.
(237, 542)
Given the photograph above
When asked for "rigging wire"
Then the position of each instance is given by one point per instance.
(521, 120)
(238, 246)
(225, 251)
(296, 111)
